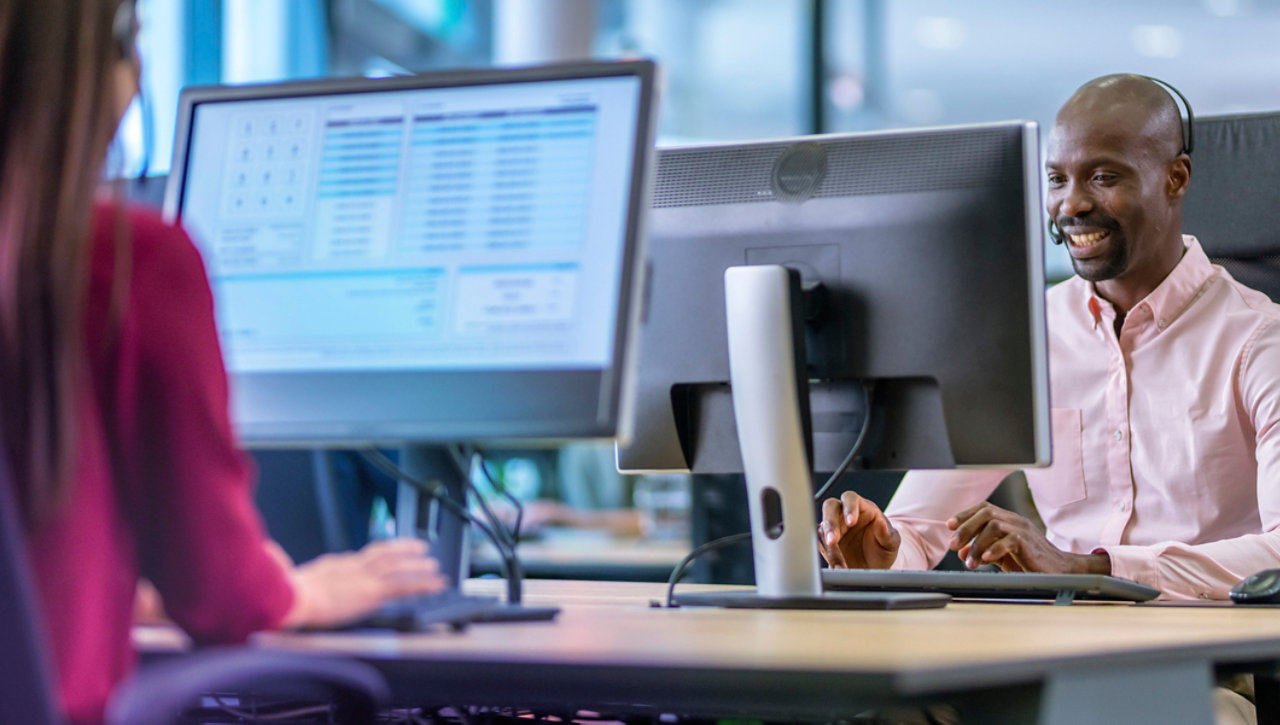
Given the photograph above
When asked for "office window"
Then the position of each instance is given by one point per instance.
(391, 37)
(738, 69)
(733, 69)
(934, 62)
(198, 42)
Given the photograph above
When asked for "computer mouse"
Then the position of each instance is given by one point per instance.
(1260, 588)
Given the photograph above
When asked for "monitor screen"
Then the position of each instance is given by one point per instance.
(428, 258)
(922, 255)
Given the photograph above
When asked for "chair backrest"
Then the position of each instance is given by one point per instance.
(1233, 205)
(27, 694)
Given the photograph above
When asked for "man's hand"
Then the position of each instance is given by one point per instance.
(855, 534)
(987, 534)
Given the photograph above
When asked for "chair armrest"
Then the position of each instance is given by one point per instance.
(159, 693)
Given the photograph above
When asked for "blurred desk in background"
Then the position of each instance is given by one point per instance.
(585, 554)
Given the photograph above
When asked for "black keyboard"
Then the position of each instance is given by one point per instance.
(1060, 588)
(451, 608)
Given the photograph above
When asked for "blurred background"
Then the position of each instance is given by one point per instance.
(732, 70)
(735, 69)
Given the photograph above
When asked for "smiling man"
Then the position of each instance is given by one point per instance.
(1165, 383)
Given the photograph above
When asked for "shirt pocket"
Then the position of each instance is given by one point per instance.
(1062, 482)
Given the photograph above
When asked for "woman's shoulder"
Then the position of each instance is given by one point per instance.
(159, 252)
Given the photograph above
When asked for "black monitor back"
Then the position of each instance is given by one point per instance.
(928, 247)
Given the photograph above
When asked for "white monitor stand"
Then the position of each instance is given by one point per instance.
(766, 364)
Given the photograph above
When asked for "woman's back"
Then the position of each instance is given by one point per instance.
(160, 489)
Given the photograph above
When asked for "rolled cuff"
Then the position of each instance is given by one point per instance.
(1135, 563)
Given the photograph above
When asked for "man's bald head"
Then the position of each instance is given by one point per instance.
(1116, 176)
(1131, 104)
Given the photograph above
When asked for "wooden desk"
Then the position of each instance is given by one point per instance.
(610, 652)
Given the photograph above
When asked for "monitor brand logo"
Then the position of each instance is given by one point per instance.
(799, 172)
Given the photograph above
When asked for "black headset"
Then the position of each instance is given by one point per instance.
(1188, 126)
(1188, 139)
(124, 30)
(124, 33)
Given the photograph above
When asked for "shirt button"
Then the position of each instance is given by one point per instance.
(1161, 323)
(1118, 434)
(1122, 506)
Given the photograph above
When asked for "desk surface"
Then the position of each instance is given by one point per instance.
(610, 646)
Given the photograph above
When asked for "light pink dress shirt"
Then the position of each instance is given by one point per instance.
(1166, 440)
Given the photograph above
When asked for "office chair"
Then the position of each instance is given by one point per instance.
(27, 695)
(157, 694)
(1233, 208)
(1233, 204)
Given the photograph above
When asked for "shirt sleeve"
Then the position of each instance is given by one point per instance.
(1209, 570)
(203, 541)
(922, 504)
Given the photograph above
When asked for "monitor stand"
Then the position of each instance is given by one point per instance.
(770, 401)
(423, 515)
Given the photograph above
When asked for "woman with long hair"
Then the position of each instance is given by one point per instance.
(113, 397)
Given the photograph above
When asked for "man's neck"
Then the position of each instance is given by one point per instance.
(1127, 290)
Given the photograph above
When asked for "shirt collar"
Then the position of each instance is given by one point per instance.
(1173, 295)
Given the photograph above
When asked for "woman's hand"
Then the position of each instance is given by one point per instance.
(335, 589)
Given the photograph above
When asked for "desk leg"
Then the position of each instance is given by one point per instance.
(1179, 692)
(1266, 690)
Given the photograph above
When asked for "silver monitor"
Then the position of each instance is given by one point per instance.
(431, 258)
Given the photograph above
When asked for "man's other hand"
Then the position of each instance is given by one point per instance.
(987, 534)
(855, 534)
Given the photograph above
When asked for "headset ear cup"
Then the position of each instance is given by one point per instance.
(124, 30)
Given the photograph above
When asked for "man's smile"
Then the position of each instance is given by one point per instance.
(1084, 241)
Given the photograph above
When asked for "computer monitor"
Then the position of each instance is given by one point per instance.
(418, 260)
(915, 263)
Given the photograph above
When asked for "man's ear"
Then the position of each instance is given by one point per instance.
(1179, 176)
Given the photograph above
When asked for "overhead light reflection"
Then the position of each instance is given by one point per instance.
(1224, 8)
(1157, 41)
(940, 33)
(846, 92)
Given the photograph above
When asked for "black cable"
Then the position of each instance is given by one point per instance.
(460, 461)
(868, 389)
(678, 572)
(502, 489)
(471, 453)
(511, 562)
(438, 493)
